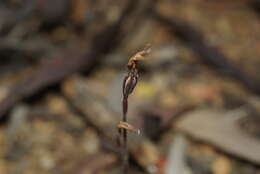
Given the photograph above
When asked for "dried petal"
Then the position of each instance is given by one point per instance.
(132, 63)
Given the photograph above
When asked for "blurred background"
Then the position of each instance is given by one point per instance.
(197, 104)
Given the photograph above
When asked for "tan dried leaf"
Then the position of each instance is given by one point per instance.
(127, 126)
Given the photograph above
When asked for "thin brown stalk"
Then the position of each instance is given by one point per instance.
(129, 84)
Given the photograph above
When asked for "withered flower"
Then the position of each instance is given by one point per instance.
(129, 84)
(132, 63)
(131, 79)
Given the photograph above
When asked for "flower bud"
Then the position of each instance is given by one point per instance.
(129, 83)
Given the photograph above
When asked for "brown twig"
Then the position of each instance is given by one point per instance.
(129, 84)
(208, 54)
(68, 62)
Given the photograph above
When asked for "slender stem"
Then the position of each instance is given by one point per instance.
(129, 84)
(125, 108)
(125, 148)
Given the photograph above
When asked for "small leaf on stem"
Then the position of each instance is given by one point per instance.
(129, 127)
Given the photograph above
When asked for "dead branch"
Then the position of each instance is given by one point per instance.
(68, 62)
(207, 54)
